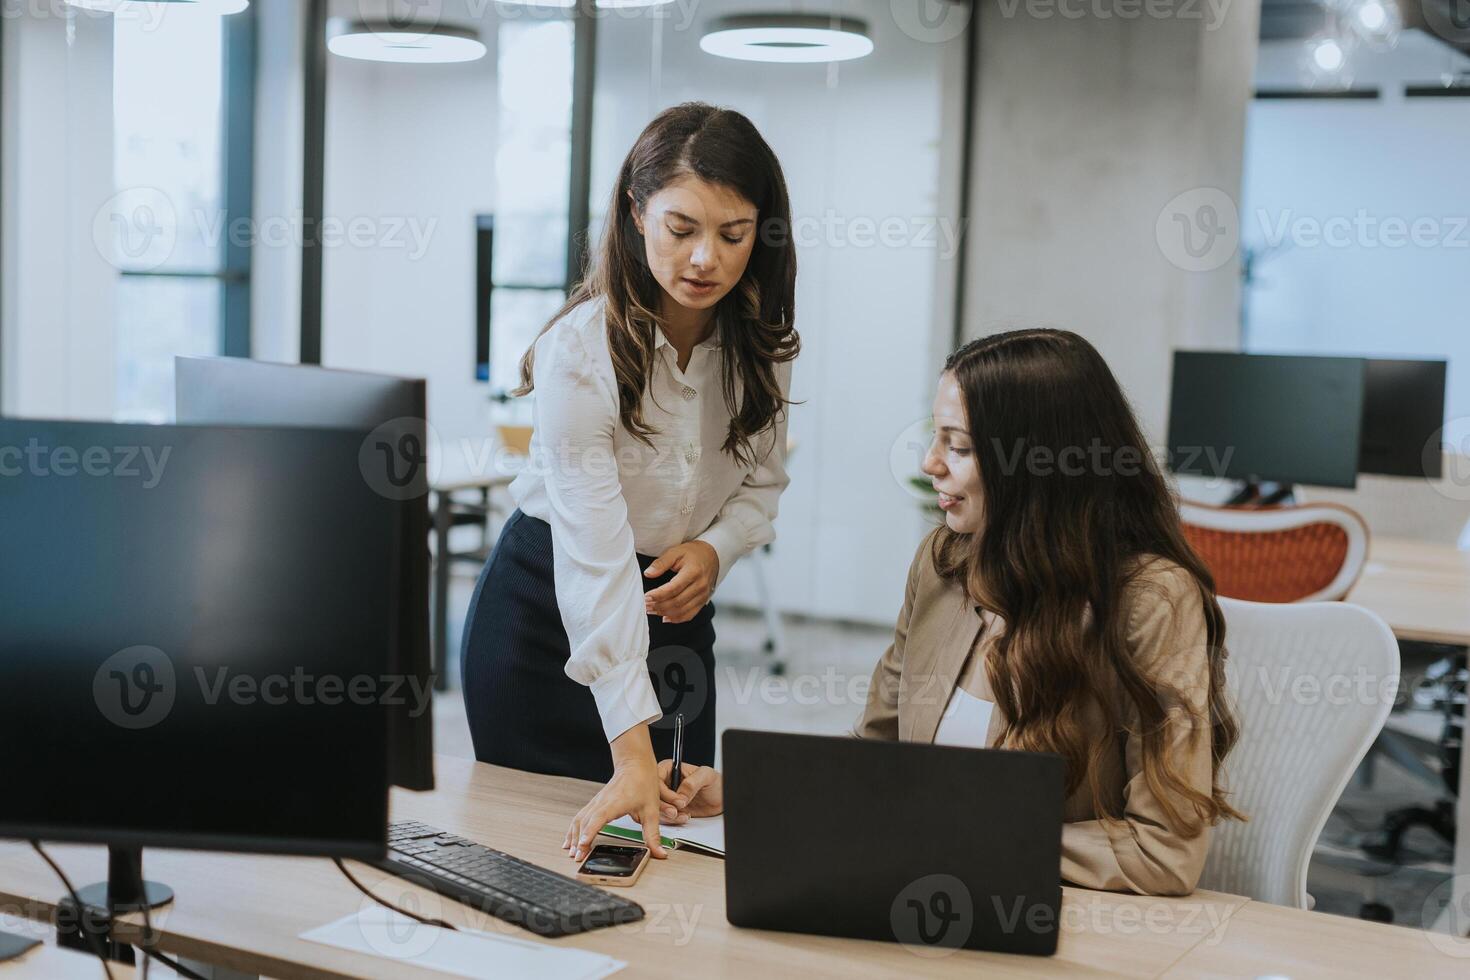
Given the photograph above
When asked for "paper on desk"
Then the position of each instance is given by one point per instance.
(467, 953)
(706, 833)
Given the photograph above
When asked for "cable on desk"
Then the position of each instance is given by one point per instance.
(426, 920)
(95, 942)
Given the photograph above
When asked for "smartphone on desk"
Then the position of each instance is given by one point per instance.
(618, 865)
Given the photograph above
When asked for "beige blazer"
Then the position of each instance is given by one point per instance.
(938, 629)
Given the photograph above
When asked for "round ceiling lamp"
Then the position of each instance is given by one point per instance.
(413, 44)
(1328, 56)
(790, 38)
(221, 7)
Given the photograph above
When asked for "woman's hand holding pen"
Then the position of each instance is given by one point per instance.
(632, 791)
(701, 793)
(697, 568)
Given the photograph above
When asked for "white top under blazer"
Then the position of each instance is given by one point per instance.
(608, 496)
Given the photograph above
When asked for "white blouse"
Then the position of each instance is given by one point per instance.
(608, 496)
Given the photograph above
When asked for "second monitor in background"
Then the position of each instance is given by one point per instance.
(1262, 418)
(236, 391)
(1403, 413)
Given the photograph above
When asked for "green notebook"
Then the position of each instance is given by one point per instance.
(705, 835)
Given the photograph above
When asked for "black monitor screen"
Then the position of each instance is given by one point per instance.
(1269, 417)
(1403, 412)
(237, 391)
(196, 639)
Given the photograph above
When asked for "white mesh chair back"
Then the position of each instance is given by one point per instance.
(1311, 685)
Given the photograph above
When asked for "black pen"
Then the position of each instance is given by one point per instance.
(676, 775)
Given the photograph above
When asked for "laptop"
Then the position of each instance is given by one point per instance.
(935, 847)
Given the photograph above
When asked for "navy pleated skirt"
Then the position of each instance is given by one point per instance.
(525, 712)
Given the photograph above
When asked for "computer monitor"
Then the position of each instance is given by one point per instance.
(1266, 417)
(237, 391)
(198, 624)
(1403, 410)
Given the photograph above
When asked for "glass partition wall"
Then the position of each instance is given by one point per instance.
(127, 217)
(476, 160)
(161, 164)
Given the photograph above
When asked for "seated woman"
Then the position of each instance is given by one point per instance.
(1057, 609)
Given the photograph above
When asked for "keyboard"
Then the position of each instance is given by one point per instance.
(506, 887)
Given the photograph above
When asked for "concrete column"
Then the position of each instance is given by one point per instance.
(1106, 163)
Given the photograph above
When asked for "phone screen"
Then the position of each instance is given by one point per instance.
(613, 860)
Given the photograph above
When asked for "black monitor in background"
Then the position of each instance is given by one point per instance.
(1266, 417)
(196, 624)
(1403, 412)
(236, 391)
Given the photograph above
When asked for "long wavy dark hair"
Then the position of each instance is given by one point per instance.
(754, 321)
(1060, 545)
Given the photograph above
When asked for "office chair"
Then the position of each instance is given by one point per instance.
(1297, 750)
(1279, 554)
(1316, 552)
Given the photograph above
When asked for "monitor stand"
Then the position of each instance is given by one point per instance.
(125, 892)
(1262, 494)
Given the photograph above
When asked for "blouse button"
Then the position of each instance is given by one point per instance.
(688, 393)
(687, 509)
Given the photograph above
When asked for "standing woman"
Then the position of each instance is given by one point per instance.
(657, 461)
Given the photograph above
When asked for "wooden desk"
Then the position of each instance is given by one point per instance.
(245, 912)
(1421, 589)
(1265, 940)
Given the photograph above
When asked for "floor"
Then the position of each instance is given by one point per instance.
(821, 692)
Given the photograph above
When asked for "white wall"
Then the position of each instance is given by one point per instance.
(1364, 165)
(858, 141)
(413, 144)
(56, 323)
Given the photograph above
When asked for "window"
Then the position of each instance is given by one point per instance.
(182, 118)
(524, 246)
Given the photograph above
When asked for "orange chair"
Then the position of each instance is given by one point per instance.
(1308, 553)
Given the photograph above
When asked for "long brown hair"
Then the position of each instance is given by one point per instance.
(754, 321)
(1065, 535)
